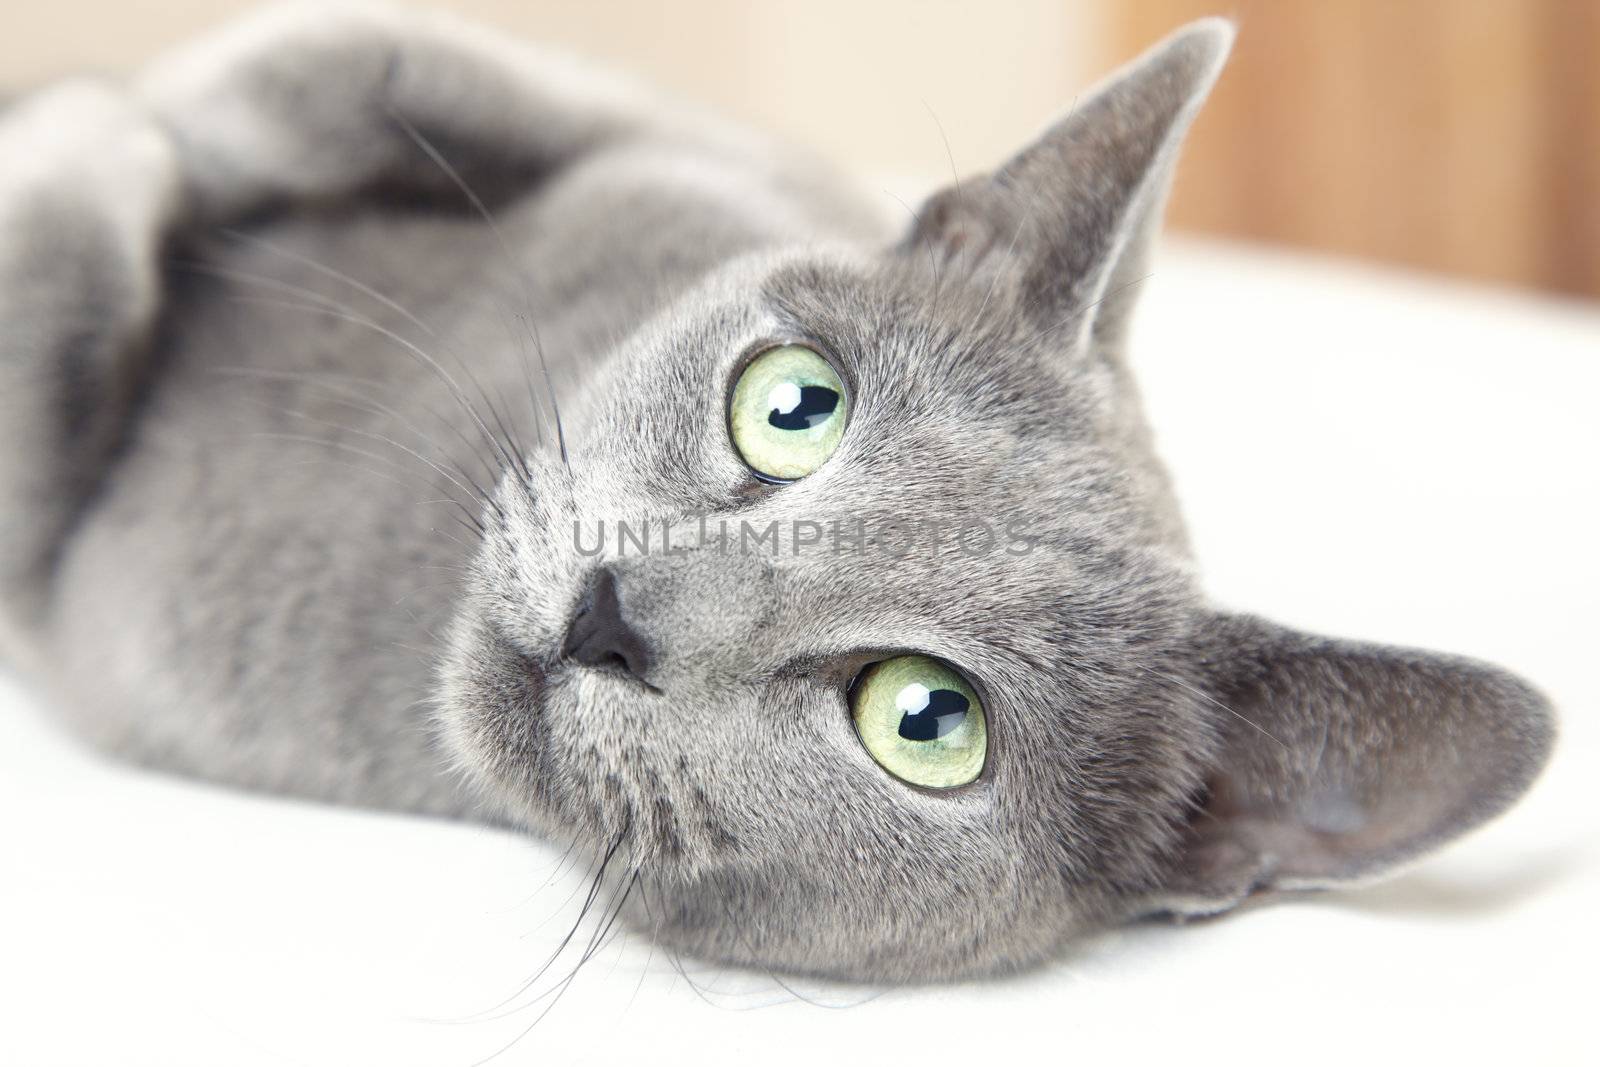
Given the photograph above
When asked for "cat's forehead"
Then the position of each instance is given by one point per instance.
(959, 413)
(933, 340)
(950, 376)
(955, 400)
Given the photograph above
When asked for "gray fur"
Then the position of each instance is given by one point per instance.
(225, 553)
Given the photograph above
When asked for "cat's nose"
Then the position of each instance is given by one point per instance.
(599, 634)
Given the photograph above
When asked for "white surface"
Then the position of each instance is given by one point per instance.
(1360, 452)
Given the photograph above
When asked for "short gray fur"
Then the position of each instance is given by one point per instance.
(218, 560)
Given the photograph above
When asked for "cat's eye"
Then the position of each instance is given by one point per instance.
(787, 413)
(921, 721)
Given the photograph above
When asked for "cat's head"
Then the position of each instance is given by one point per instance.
(989, 708)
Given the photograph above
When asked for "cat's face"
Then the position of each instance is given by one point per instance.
(721, 730)
(730, 763)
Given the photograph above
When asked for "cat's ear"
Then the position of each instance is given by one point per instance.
(1340, 760)
(1071, 215)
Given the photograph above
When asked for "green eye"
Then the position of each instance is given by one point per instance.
(921, 721)
(788, 413)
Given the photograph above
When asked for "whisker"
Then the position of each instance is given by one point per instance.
(472, 488)
(955, 177)
(349, 397)
(329, 306)
(508, 323)
(427, 361)
(357, 466)
(361, 402)
(562, 861)
(596, 943)
(595, 884)
(1000, 268)
(587, 877)
(785, 986)
(931, 309)
(704, 992)
(383, 299)
(331, 272)
(428, 655)
(644, 971)
(450, 536)
(483, 211)
(262, 281)
(550, 391)
(322, 442)
(602, 937)
(454, 583)
(672, 956)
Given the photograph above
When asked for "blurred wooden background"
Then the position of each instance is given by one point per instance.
(1460, 136)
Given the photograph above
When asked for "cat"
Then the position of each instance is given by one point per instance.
(399, 416)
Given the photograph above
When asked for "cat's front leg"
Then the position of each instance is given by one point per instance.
(311, 100)
(88, 189)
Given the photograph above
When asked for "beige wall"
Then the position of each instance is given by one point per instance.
(856, 80)
(1460, 136)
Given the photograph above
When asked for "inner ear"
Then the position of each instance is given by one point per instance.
(1341, 760)
(1079, 203)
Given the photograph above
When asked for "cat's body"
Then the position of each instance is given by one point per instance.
(328, 566)
(331, 568)
(226, 552)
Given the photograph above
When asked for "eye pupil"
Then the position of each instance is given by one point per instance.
(800, 408)
(930, 714)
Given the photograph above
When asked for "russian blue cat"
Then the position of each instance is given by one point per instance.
(331, 344)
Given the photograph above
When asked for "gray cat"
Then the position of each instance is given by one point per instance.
(334, 347)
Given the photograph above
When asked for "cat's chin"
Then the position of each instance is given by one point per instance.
(540, 739)
(600, 782)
